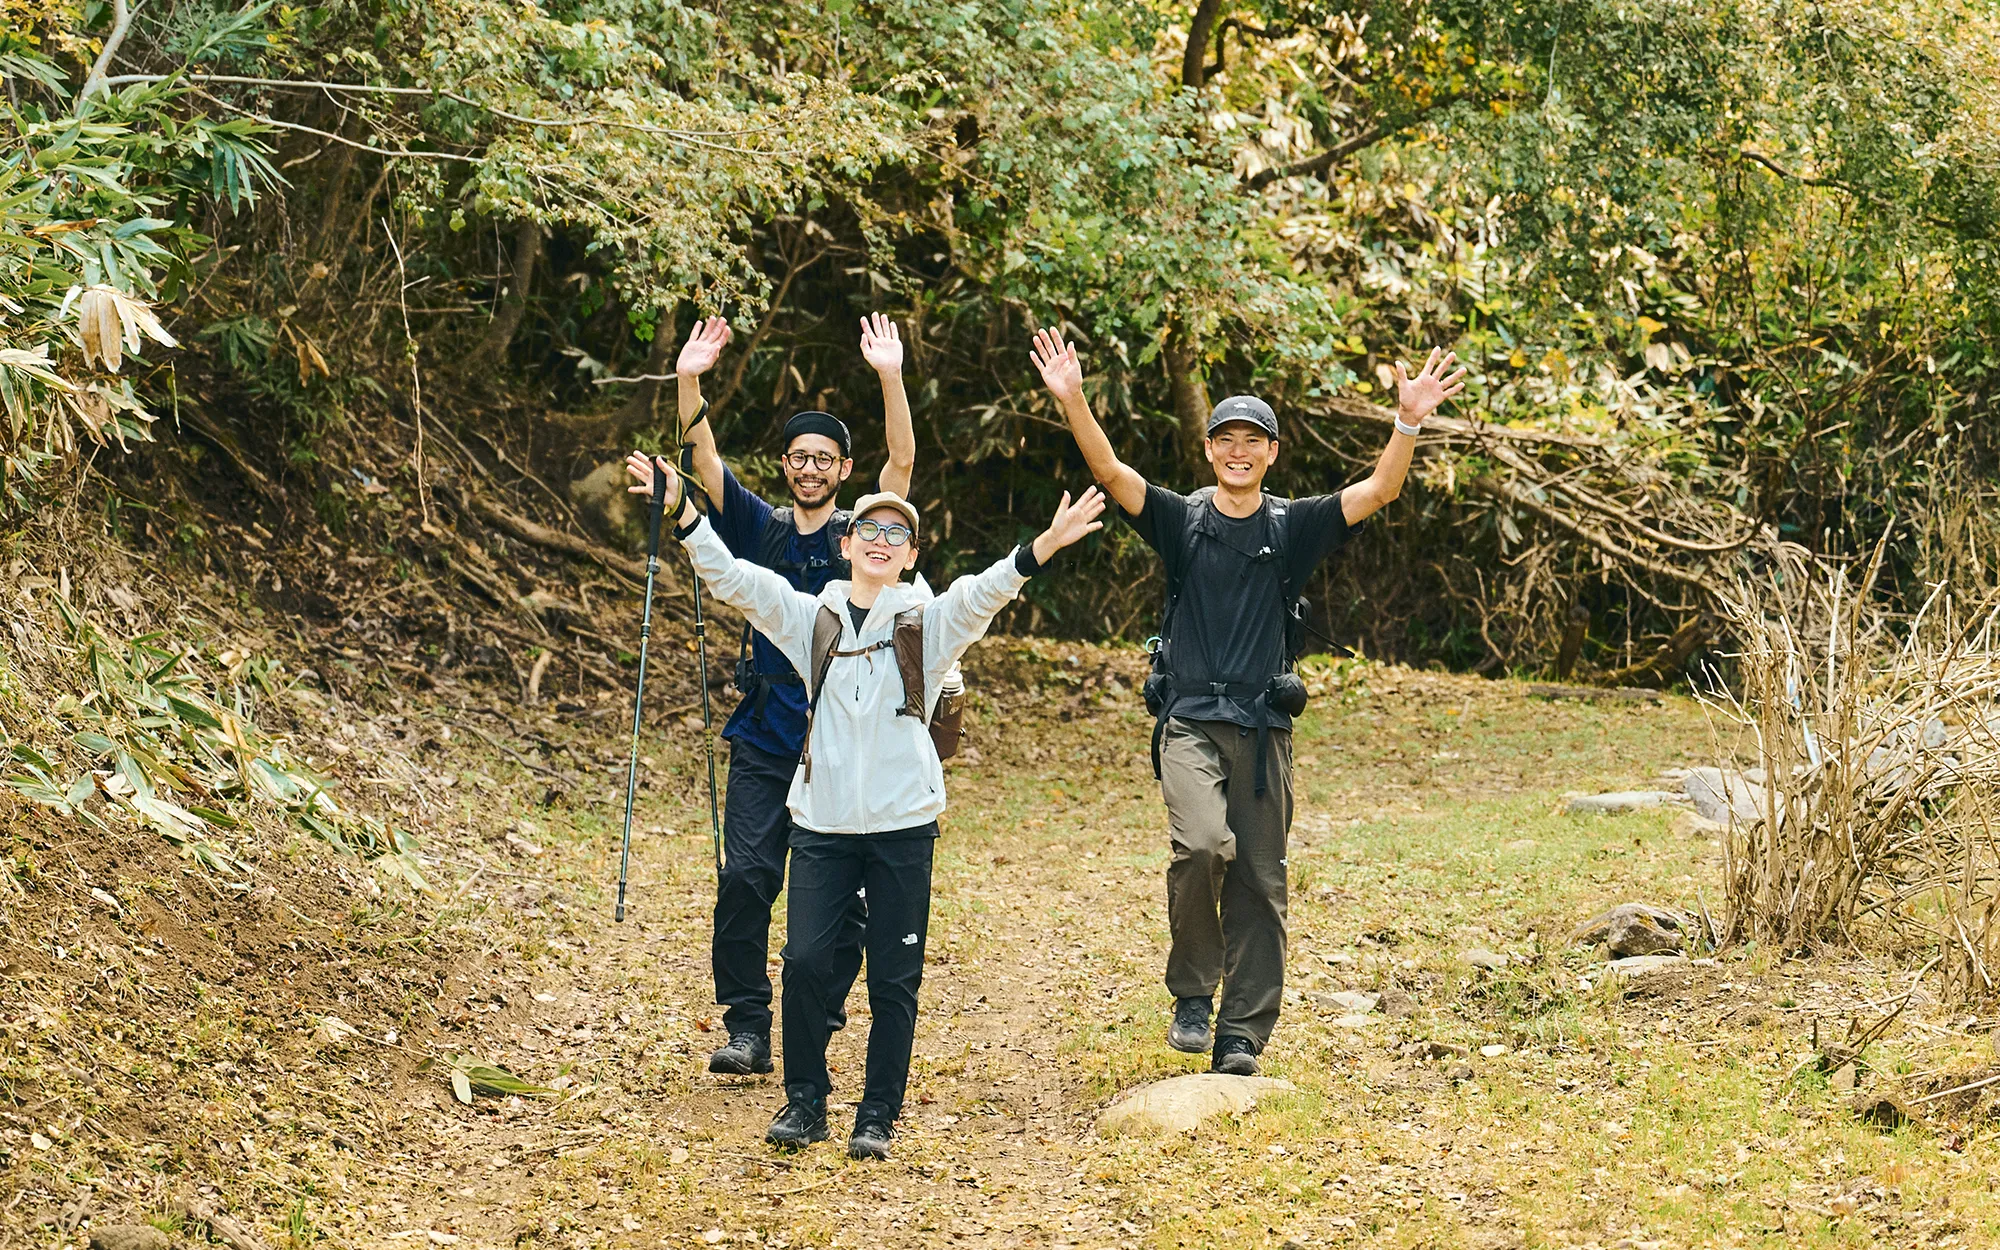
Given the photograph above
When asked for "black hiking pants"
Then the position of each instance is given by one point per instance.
(756, 830)
(1226, 879)
(828, 872)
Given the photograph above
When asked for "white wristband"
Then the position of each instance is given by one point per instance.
(1411, 430)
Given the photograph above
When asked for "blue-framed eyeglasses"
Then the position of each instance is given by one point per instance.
(894, 535)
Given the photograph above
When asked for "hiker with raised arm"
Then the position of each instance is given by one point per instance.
(1222, 689)
(802, 544)
(865, 800)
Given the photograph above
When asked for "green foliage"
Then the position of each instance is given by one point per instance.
(1743, 246)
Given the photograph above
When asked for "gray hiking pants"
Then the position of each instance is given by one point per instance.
(1226, 880)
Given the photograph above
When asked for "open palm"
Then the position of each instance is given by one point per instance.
(1074, 520)
(881, 344)
(1061, 371)
(703, 348)
(1418, 397)
(640, 466)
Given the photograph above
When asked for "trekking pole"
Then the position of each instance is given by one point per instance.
(658, 508)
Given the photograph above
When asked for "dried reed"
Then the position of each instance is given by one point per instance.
(1879, 790)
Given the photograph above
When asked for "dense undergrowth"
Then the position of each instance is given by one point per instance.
(1721, 274)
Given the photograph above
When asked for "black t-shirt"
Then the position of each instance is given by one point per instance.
(857, 614)
(1230, 624)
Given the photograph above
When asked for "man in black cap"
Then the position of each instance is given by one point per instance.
(767, 731)
(1222, 687)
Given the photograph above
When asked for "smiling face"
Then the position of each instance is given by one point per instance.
(812, 485)
(1241, 454)
(875, 559)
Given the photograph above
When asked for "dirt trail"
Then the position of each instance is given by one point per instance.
(655, 1149)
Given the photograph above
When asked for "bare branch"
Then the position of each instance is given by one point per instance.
(1324, 161)
(121, 25)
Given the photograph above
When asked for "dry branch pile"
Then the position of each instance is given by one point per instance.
(1880, 781)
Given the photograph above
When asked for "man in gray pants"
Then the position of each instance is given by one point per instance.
(1222, 686)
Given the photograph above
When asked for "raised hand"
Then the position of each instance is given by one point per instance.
(1072, 521)
(1418, 397)
(1061, 372)
(881, 344)
(704, 347)
(640, 466)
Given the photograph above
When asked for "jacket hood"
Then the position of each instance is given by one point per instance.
(898, 598)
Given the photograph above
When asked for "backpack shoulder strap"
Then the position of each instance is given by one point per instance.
(909, 641)
(836, 529)
(826, 632)
(1278, 517)
(777, 532)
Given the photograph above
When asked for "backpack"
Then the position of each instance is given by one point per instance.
(1283, 689)
(778, 531)
(947, 723)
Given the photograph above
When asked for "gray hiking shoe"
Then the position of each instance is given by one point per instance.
(1189, 1031)
(746, 1054)
(1235, 1056)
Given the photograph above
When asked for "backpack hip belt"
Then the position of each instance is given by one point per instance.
(1173, 689)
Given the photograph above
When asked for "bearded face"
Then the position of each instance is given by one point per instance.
(814, 469)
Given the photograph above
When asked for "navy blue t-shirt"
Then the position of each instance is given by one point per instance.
(779, 725)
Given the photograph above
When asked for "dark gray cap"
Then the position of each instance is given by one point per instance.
(1244, 408)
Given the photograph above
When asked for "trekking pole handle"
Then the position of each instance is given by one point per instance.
(661, 468)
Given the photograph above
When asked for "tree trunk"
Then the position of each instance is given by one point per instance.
(336, 191)
(1190, 394)
(492, 349)
(1194, 62)
(640, 409)
(1575, 630)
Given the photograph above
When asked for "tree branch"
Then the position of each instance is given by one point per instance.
(1450, 428)
(121, 25)
(1324, 161)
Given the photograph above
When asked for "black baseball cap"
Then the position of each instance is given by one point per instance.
(820, 423)
(1244, 408)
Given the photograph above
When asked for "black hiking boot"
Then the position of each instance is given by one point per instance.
(1189, 1031)
(871, 1139)
(747, 1053)
(1235, 1056)
(800, 1124)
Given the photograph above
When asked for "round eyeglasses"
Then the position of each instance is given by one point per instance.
(894, 535)
(821, 460)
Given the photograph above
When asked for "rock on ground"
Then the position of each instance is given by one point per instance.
(1637, 965)
(128, 1237)
(1632, 929)
(1353, 1002)
(1724, 796)
(1621, 801)
(1180, 1104)
(1480, 957)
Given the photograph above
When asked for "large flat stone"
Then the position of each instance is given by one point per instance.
(1724, 797)
(1180, 1104)
(1621, 801)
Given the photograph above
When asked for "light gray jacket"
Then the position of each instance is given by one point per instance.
(873, 771)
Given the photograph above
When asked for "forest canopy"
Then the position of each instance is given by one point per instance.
(1723, 271)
